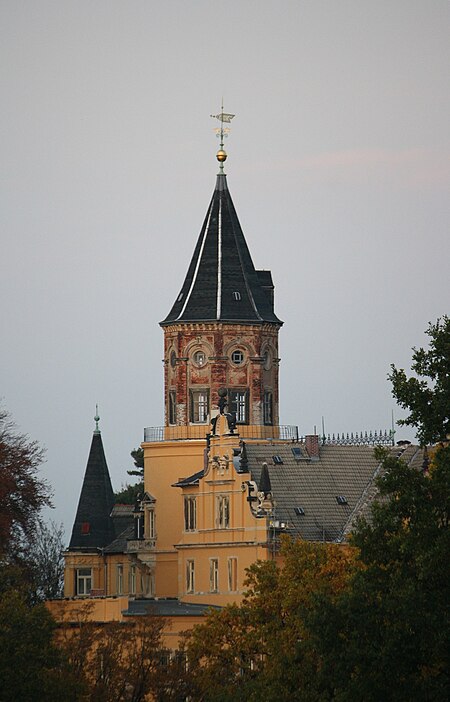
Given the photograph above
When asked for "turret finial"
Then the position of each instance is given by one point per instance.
(222, 133)
(96, 420)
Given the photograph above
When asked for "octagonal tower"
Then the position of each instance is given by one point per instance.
(222, 332)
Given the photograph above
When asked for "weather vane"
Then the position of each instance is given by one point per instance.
(222, 133)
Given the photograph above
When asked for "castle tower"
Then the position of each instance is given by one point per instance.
(222, 331)
(220, 335)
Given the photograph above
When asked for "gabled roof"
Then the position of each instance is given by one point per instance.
(318, 500)
(94, 527)
(221, 283)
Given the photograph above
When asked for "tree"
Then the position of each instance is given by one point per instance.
(427, 397)
(262, 649)
(44, 556)
(386, 636)
(138, 457)
(22, 493)
(32, 667)
(117, 661)
(130, 493)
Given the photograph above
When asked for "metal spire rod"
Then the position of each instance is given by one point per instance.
(222, 133)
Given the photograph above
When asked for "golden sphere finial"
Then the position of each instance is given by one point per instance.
(221, 155)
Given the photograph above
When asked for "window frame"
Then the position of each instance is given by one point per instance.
(150, 523)
(190, 513)
(83, 577)
(237, 357)
(199, 402)
(132, 580)
(190, 576)
(214, 575)
(239, 404)
(119, 579)
(222, 511)
(268, 408)
(232, 574)
(199, 358)
(172, 407)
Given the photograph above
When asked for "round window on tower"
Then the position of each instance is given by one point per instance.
(237, 357)
(199, 358)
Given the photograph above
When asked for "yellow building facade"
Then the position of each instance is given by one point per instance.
(222, 479)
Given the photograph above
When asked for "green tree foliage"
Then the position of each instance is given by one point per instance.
(261, 649)
(138, 457)
(130, 493)
(387, 636)
(32, 667)
(427, 396)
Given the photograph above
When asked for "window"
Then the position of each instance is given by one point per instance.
(238, 404)
(148, 583)
(341, 500)
(132, 580)
(278, 461)
(223, 512)
(85, 528)
(199, 358)
(139, 525)
(232, 574)
(151, 524)
(172, 407)
(213, 575)
(297, 453)
(190, 513)
(267, 407)
(83, 581)
(267, 359)
(173, 359)
(190, 576)
(119, 579)
(199, 406)
(237, 357)
(299, 511)
(236, 295)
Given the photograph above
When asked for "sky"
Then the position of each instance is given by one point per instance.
(338, 166)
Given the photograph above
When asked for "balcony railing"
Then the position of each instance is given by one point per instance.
(198, 431)
(139, 545)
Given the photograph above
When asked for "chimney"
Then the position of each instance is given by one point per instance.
(312, 445)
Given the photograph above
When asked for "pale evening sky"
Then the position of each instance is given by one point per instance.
(339, 168)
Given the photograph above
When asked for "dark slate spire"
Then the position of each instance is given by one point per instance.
(221, 283)
(93, 527)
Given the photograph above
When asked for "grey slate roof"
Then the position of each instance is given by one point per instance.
(93, 527)
(170, 607)
(119, 545)
(220, 267)
(344, 472)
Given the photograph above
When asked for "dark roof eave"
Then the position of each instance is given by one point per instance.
(167, 322)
